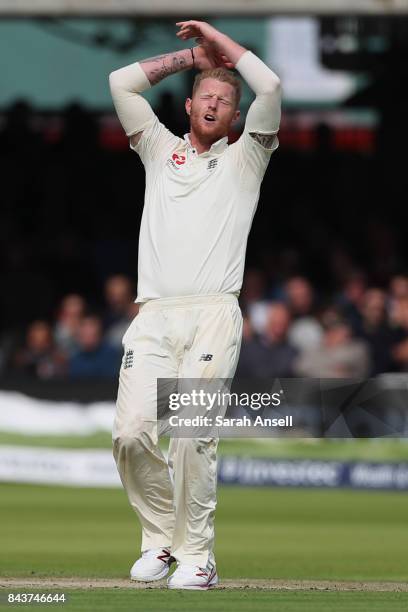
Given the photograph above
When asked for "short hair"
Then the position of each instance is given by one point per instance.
(220, 74)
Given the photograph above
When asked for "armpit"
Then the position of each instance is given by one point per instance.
(134, 140)
(266, 140)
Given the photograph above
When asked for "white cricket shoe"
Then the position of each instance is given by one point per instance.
(154, 564)
(193, 577)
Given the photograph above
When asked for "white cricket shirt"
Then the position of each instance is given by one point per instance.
(197, 213)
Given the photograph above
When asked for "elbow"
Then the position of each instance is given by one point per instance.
(273, 87)
(272, 92)
(116, 82)
(113, 80)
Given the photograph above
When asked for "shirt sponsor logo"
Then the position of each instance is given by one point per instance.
(177, 160)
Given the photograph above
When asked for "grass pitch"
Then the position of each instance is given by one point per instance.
(393, 449)
(124, 600)
(261, 533)
(287, 534)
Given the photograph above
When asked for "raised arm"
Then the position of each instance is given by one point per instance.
(126, 84)
(263, 117)
(264, 114)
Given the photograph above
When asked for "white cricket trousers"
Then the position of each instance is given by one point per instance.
(175, 502)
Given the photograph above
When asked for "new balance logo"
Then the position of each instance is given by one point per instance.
(128, 360)
(206, 357)
(212, 164)
(165, 556)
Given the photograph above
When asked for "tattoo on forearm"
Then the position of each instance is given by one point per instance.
(266, 140)
(161, 66)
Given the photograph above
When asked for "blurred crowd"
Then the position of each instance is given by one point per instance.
(78, 342)
(293, 330)
(290, 329)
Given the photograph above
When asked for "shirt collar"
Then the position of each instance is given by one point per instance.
(216, 147)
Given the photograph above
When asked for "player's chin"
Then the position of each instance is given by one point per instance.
(214, 129)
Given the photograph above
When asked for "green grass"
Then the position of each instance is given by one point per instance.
(96, 440)
(347, 450)
(124, 600)
(312, 448)
(261, 533)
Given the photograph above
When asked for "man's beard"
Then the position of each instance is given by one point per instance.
(207, 136)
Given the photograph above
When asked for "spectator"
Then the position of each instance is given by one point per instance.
(94, 357)
(400, 349)
(119, 295)
(351, 298)
(247, 331)
(398, 292)
(375, 330)
(39, 357)
(339, 355)
(305, 331)
(270, 355)
(397, 315)
(116, 332)
(70, 313)
(399, 286)
(252, 299)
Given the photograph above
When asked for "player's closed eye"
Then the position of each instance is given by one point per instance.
(208, 97)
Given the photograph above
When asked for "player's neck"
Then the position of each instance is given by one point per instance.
(201, 146)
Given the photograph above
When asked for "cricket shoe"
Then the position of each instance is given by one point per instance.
(154, 564)
(193, 577)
